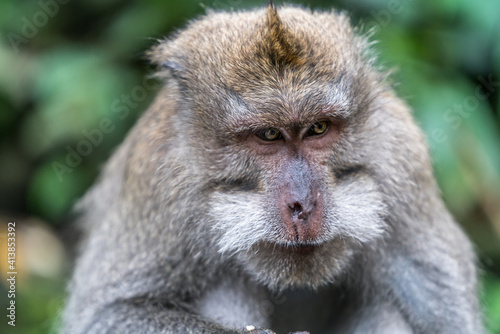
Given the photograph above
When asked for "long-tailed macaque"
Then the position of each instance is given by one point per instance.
(276, 184)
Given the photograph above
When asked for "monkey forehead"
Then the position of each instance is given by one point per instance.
(269, 67)
(285, 109)
(234, 48)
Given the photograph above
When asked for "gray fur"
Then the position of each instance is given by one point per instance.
(184, 233)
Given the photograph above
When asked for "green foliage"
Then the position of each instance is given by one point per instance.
(72, 84)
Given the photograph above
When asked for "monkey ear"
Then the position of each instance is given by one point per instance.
(169, 65)
(175, 69)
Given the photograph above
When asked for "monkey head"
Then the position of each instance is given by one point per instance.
(289, 123)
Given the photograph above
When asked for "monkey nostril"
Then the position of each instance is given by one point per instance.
(302, 215)
(298, 211)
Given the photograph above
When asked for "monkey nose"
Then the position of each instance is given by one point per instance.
(299, 212)
(302, 219)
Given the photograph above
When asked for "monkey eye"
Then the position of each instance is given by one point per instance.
(269, 134)
(318, 128)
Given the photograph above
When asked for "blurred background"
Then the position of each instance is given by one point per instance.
(73, 79)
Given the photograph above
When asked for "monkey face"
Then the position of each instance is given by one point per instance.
(285, 115)
(300, 205)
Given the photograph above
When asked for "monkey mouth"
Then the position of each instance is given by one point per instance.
(299, 248)
(303, 249)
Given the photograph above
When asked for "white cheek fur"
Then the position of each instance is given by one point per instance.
(353, 210)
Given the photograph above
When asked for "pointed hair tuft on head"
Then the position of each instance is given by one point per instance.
(281, 46)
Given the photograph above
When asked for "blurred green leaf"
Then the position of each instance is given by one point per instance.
(491, 299)
(74, 90)
(17, 74)
(51, 196)
(138, 26)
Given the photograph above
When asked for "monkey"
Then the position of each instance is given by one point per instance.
(276, 184)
